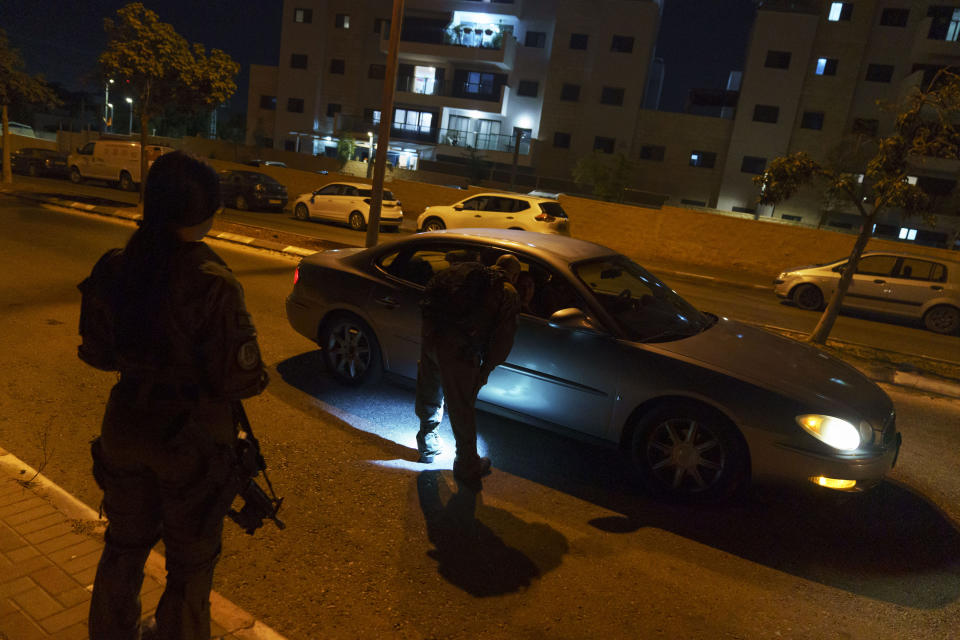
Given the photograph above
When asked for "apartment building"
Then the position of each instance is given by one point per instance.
(815, 71)
(564, 77)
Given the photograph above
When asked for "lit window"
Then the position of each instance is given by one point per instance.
(343, 21)
(826, 67)
(303, 15)
(840, 11)
(953, 31)
(908, 234)
(911, 179)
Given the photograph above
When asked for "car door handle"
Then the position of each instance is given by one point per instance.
(388, 301)
(476, 215)
(936, 287)
(879, 281)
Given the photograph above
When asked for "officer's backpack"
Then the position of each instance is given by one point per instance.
(98, 303)
(451, 295)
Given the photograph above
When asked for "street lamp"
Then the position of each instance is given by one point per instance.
(106, 105)
(130, 126)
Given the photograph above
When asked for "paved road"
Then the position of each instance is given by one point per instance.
(563, 546)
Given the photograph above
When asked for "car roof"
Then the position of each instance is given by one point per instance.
(554, 245)
(359, 185)
(518, 196)
(905, 254)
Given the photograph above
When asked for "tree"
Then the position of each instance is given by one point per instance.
(16, 88)
(346, 147)
(162, 69)
(607, 179)
(926, 126)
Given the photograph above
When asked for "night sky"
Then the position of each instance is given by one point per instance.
(701, 41)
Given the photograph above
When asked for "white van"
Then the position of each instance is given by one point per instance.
(114, 160)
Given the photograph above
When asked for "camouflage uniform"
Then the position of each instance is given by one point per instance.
(454, 365)
(165, 456)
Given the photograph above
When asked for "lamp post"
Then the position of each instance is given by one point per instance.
(130, 125)
(106, 105)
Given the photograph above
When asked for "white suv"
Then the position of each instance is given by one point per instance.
(348, 202)
(900, 284)
(499, 211)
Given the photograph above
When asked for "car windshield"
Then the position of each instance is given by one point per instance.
(366, 193)
(646, 309)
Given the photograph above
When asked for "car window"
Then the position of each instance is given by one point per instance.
(418, 265)
(553, 209)
(914, 269)
(877, 265)
(520, 205)
(475, 204)
(349, 191)
(368, 193)
(87, 149)
(646, 309)
(329, 190)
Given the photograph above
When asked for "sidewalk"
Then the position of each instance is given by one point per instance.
(50, 544)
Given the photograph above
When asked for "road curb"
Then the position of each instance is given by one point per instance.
(223, 612)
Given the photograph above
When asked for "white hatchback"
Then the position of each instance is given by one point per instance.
(498, 211)
(348, 202)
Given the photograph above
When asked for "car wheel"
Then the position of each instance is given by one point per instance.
(942, 319)
(433, 224)
(301, 212)
(241, 203)
(687, 452)
(75, 176)
(126, 182)
(808, 296)
(350, 350)
(32, 171)
(356, 221)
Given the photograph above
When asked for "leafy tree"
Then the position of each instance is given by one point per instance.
(233, 128)
(607, 178)
(162, 69)
(346, 146)
(16, 88)
(926, 126)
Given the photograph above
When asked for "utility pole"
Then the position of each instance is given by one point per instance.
(386, 120)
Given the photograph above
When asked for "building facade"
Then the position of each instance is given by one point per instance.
(563, 78)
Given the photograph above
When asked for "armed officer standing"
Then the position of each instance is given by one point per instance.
(168, 314)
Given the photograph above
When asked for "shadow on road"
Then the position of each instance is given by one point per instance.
(889, 544)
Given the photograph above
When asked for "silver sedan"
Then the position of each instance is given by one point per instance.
(606, 350)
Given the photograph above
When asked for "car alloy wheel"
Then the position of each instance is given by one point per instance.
(808, 297)
(357, 222)
(350, 350)
(32, 171)
(301, 212)
(942, 319)
(434, 224)
(688, 452)
(75, 176)
(240, 203)
(126, 182)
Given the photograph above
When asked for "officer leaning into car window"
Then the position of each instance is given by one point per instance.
(447, 372)
(186, 351)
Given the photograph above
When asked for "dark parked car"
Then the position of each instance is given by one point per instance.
(701, 403)
(251, 190)
(40, 162)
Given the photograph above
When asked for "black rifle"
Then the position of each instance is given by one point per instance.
(257, 504)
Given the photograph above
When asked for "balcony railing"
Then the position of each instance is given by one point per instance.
(469, 90)
(482, 141)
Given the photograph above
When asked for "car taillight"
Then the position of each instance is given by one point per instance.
(48, 162)
(258, 187)
(296, 276)
(544, 217)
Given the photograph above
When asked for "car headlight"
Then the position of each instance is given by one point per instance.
(837, 433)
(783, 275)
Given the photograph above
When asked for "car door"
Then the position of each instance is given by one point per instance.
(349, 201)
(870, 287)
(323, 203)
(469, 213)
(915, 283)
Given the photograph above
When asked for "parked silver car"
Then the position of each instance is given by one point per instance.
(898, 284)
(607, 350)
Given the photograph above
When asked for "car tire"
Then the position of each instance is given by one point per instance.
(240, 202)
(942, 318)
(350, 350)
(32, 171)
(301, 212)
(75, 176)
(126, 182)
(357, 222)
(807, 296)
(688, 452)
(433, 224)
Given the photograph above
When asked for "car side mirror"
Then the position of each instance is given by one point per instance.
(572, 318)
(458, 207)
(839, 268)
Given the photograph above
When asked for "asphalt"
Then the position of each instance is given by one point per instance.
(50, 542)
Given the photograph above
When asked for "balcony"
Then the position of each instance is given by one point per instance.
(482, 141)
(454, 95)
(440, 45)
